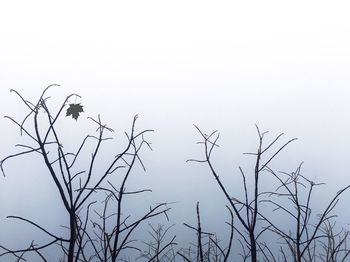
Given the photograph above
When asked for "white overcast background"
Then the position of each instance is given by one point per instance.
(222, 65)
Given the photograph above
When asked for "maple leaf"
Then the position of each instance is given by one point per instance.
(74, 110)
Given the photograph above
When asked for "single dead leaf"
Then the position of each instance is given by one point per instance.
(74, 110)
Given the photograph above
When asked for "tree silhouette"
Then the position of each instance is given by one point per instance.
(304, 237)
(78, 190)
(98, 227)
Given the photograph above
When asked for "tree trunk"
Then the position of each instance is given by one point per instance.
(72, 237)
(253, 248)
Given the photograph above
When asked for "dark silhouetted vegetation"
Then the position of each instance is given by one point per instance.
(99, 228)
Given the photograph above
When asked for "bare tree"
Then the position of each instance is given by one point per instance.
(207, 247)
(246, 210)
(293, 197)
(335, 246)
(78, 188)
(159, 248)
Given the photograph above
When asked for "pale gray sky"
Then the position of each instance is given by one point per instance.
(224, 65)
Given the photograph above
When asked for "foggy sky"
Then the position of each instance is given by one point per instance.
(223, 65)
